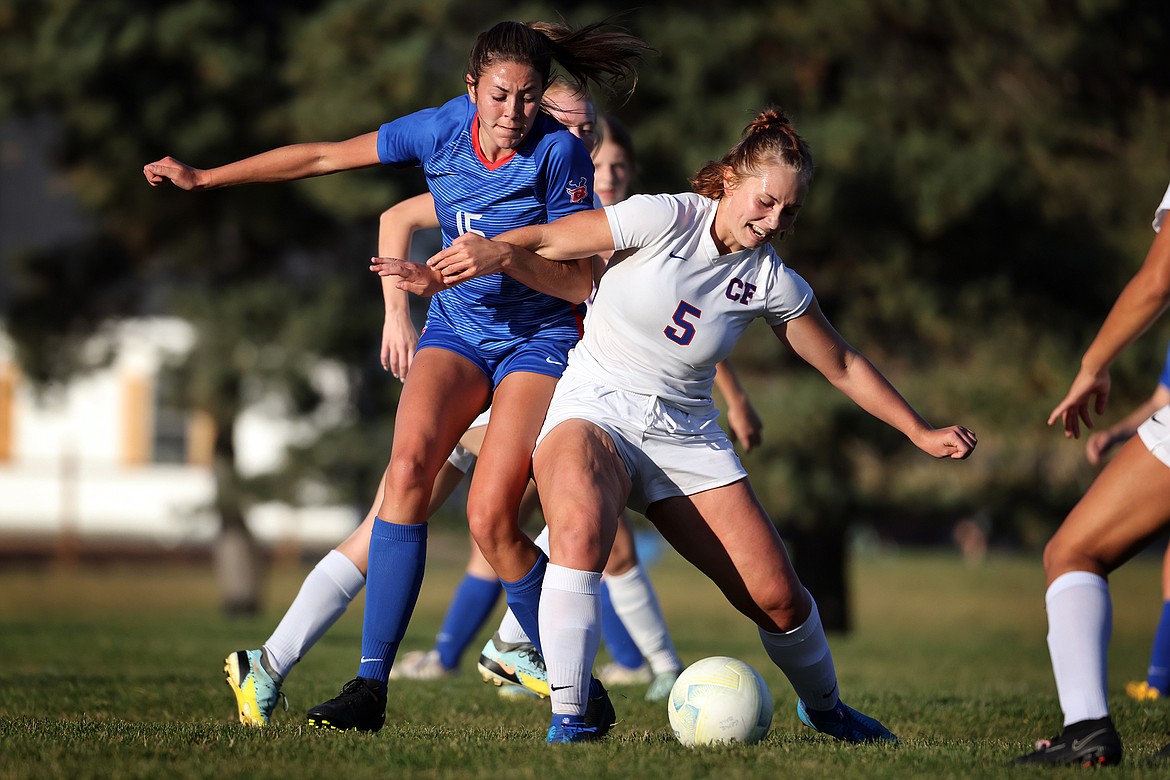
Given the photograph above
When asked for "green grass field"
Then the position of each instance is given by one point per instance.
(116, 673)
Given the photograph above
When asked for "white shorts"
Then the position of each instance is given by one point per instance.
(461, 457)
(1155, 434)
(667, 451)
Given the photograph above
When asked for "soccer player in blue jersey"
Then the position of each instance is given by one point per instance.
(493, 162)
(633, 423)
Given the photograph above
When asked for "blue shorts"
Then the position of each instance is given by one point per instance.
(545, 355)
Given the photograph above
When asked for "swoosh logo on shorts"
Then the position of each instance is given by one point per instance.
(677, 257)
(554, 362)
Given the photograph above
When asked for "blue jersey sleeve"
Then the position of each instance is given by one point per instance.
(412, 139)
(1164, 379)
(568, 176)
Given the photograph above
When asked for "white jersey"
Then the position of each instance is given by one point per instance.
(670, 307)
(1163, 207)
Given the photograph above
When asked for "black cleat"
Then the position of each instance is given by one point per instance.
(361, 706)
(599, 712)
(1088, 743)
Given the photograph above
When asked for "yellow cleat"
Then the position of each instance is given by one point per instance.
(256, 692)
(1142, 691)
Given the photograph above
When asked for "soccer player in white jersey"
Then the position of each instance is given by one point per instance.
(632, 420)
(1124, 510)
(492, 161)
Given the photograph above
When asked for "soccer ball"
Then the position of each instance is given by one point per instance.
(719, 699)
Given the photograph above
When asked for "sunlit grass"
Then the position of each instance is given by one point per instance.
(116, 673)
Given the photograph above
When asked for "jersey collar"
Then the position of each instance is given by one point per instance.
(491, 166)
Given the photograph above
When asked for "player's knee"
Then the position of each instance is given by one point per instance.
(786, 609)
(576, 541)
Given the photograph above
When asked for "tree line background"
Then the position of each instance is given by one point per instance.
(986, 176)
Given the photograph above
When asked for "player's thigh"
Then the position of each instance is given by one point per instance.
(505, 457)
(584, 486)
(442, 395)
(1125, 508)
(727, 535)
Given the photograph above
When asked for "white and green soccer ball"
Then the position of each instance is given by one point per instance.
(720, 699)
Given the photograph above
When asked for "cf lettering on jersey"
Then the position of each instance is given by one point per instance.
(739, 290)
(463, 222)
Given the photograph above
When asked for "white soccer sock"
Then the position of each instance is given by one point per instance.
(803, 655)
(324, 596)
(570, 626)
(1080, 619)
(510, 629)
(636, 604)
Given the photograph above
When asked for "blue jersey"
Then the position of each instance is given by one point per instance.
(548, 176)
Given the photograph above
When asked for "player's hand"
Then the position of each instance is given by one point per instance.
(746, 426)
(169, 169)
(399, 340)
(1088, 389)
(954, 442)
(1097, 445)
(413, 277)
(470, 256)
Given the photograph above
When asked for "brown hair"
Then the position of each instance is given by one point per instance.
(611, 130)
(770, 138)
(588, 54)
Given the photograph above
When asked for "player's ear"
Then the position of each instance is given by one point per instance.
(470, 86)
(729, 180)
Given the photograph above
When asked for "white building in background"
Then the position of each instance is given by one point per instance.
(102, 459)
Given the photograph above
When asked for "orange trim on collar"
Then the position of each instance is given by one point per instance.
(491, 166)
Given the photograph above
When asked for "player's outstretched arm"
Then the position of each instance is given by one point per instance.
(1100, 443)
(1140, 303)
(818, 343)
(298, 161)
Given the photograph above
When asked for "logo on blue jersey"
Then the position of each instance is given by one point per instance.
(578, 191)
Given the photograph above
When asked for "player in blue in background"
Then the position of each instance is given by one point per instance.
(492, 161)
(633, 423)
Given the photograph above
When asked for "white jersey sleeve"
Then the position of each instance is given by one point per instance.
(1160, 213)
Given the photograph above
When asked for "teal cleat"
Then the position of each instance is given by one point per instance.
(256, 692)
(515, 664)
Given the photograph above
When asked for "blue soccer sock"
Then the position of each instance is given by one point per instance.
(470, 607)
(1158, 675)
(618, 642)
(523, 597)
(398, 555)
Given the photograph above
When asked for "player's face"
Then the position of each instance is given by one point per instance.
(611, 173)
(507, 97)
(576, 113)
(758, 207)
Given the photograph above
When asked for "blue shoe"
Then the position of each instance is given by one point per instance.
(256, 692)
(563, 730)
(514, 664)
(844, 723)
